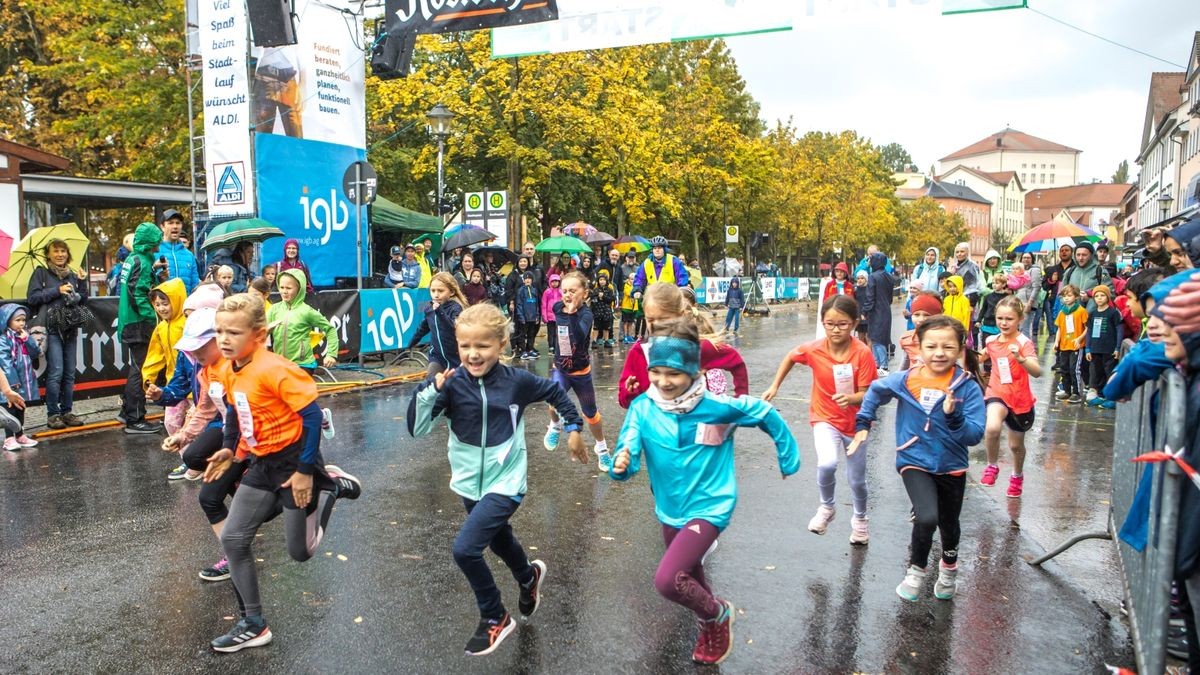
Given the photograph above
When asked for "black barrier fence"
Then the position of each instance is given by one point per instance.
(100, 357)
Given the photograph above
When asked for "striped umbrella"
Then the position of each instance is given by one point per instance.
(1053, 234)
(632, 242)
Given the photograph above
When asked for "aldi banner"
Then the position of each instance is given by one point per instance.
(389, 317)
(443, 16)
(300, 192)
(224, 48)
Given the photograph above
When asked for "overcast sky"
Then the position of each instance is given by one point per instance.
(935, 84)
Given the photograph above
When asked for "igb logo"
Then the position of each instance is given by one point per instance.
(325, 215)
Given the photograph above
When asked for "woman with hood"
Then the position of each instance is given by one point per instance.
(291, 323)
(291, 261)
(991, 267)
(877, 308)
(57, 286)
(930, 269)
(223, 257)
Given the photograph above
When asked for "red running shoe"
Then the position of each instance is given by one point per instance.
(716, 637)
(989, 475)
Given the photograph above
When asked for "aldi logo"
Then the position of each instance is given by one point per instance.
(231, 185)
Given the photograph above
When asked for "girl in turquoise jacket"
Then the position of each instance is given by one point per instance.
(685, 436)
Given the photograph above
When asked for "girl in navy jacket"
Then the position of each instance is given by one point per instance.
(440, 317)
(940, 414)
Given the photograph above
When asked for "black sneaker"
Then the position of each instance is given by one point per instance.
(531, 596)
(245, 633)
(143, 428)
(488, 635)
(218, 572)
(348, 487)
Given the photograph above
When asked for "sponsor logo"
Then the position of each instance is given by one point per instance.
(230, 186)
(324, 215)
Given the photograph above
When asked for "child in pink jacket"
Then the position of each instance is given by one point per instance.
(551, 295)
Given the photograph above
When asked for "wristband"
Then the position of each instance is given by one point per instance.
(569, 428)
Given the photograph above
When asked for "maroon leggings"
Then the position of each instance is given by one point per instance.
(680, 576)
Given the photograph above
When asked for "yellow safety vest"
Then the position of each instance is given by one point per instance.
(668, 270)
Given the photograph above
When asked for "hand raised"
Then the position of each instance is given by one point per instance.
(439, 380)
(948, 403)
(631, 384)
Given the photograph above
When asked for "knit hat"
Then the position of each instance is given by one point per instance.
(1101, 288)
(675, 353)
(1085, 244)
(926, 302)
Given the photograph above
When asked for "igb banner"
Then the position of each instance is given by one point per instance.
(390, 317)
(300, 192)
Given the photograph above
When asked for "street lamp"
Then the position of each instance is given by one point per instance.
(439, 125)
(1164, 202)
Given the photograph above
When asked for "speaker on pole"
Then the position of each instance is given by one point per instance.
(271, 23)
(391, 57)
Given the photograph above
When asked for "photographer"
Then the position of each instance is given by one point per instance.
(61, 291)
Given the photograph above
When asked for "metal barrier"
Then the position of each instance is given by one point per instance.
(1146, 575)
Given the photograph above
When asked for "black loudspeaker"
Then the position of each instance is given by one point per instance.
(391, 57)
(271, 23)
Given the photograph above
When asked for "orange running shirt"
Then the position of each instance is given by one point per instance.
(267, 394)
(1009, 382)
(856, 372)
(924, 387)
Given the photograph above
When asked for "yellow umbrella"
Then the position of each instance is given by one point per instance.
(29, 254)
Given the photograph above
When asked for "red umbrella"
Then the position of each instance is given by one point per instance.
(6, 244)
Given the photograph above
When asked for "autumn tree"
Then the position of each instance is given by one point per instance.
(1121, 175)
(925, 223)
(895, 157)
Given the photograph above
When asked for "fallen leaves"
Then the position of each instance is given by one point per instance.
(769, 568)
(358, 619)
(342, 557)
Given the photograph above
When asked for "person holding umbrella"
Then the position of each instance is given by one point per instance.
(660, 266)
(58, 287)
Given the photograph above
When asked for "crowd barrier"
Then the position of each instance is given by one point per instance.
(1154, 418)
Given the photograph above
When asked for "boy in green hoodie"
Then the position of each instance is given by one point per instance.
(135, 324)
(292, 323)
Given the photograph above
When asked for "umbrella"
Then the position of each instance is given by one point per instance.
(598, 238)
(1052, 234)
(6, 245)
(579, 229)
(458, 236)
(632, 242)
(434, 243)
(29, 253)
(562, 244)
(500, 255)
(231, 232)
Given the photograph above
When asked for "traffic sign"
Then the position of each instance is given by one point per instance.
(360, 182)
(497, 206)
(474, 202)
(731, 234)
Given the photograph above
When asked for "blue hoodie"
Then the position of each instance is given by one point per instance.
(933, 441)
(181, 263)
(17, 354)
(439, 324)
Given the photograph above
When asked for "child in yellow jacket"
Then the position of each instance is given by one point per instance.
(167, 299)
(955, 305)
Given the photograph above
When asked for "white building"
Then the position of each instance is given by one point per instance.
(1003, 189)
(1036, 161)
(1188, 199)
(1163, 135)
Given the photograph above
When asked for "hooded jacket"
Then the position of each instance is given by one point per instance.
(931, 441)
(734, 298)
(17, 354)
(928, 274)
(550, 296)
(1187, 236)
(135, 314)
(292, 324)
(487, 426)
(160, 355)
(877, 301)
(181, 263)
(988, 273)
(297, 264)
(241, 277)
(439, 324)
(1087, 277)
(957, 306)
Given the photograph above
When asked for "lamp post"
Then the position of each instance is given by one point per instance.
(1164, 202)
(439, 118)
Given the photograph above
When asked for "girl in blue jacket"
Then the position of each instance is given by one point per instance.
(685, 435)
(440, 317)
(940, 415)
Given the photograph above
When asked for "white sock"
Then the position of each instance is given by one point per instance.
(601, 447)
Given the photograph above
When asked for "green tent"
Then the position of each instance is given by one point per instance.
(391, 216)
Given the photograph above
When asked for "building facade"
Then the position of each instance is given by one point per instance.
(1036, 161)
(1163, 129)
(976, 210)
(1096, 205)
(1003, 189)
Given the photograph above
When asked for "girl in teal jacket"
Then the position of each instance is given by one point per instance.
(685, 436)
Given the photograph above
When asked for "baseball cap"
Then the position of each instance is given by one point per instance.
(396, 250)
(171, 213)
(199, 328)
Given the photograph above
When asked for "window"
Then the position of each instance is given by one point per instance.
(1043, 180)
(1052, 179)
(1023, 166)
(1051, 166)
(1023, 179)
(1043, 166)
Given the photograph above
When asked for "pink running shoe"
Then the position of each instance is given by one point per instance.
(1015, 483)
(989, 475)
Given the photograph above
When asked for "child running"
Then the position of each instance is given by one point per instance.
(685, 435)
(274, 423)
(842, 368)
(447, 303)
(572, 368)
(662, 301)
(484, 402)
(1009, 397)
(939, 415)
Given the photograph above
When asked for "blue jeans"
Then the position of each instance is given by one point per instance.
(733, 316)
(487, 526)
(880, 352)
(60, 372)
(1048, 306)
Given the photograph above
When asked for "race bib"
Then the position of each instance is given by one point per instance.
(1004, 369)
(1070, 323)
(564, 341)
(245, 418)
(930, 398)
(843, 378)
(711, 434)
(1097, 327)
(216, 394)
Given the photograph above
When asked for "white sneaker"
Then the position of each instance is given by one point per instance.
(550, 440)
(820, 521)
(947, 582)
(858, 530)
(25, 441)
(327, 430)
(910, 588)
(711, 549)
(881, 372)
(11, 444)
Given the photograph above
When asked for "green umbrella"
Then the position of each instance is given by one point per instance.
(236, 231)
(435, 243)
(563, 244)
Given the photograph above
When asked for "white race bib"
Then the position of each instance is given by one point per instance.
(564, 341)
(1004, 370)
(1070, 323)
(711, 434)
(843, 378)
(216, 393)
(1097, 327)
(245, 418)
(930, 398)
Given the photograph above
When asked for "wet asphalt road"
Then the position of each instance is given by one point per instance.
(99, 555)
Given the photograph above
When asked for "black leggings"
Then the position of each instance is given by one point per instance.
(1067, 363)
(212, 495)
(937, 501)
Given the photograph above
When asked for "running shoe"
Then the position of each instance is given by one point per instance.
(218, 572)
(55, 422)
(245, 633)
(489, 634)
(1074, 399)
(859, 533)
(143, 427)
(178, 473)
(881, 372)
(716, 637)
(1095, 401)
(193, 475)
(1015, 484)
(820, 521)
(1061, 395)
(531, 595)
(11, 444)
(1108, 405)
(72, 420)
(910, 588)
(327, 430)
(348, 487)
(946, 584)
(989, 475)
(551, 438)
(25, 441)
(604, 461)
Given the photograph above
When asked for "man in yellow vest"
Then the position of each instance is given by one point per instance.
(660, 266)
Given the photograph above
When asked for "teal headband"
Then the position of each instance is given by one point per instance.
(676, 353)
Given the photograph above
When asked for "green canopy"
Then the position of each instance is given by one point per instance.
(391, 216)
